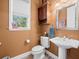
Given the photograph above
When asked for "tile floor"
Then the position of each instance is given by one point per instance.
(47, 57)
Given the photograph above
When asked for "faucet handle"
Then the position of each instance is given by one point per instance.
(70, 37)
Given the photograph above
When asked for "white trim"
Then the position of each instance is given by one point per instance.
(22, 56)
(26, 54)
(51, 55)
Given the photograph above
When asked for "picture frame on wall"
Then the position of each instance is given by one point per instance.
(19, 15)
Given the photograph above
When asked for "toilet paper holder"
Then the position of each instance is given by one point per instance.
(27, 41)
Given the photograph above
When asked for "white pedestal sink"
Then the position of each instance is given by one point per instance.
(62, 53)
(63, 44)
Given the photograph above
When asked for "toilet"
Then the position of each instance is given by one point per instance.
(38, 51)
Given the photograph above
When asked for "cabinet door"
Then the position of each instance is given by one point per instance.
(40, 13)
(45, 12)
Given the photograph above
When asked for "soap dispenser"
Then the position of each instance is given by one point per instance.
(51, 32)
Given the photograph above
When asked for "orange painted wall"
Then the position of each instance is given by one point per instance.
(13, 41)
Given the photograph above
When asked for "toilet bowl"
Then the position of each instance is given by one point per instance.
(38, 51)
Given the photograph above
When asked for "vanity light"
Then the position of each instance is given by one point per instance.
(64, 1)
(57, 5)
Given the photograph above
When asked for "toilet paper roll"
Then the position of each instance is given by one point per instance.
(27, 41)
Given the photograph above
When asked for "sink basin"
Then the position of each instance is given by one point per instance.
(64, 43)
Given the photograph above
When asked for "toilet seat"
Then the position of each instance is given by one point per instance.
(37, 49)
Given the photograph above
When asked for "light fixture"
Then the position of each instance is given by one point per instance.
(57, 4)
(64, 1)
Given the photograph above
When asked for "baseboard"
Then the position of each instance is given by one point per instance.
(51, 54)
(25, 55)
(22, 56)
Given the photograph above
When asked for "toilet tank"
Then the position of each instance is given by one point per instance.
(45, 42)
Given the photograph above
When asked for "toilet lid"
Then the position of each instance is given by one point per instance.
(37, 48)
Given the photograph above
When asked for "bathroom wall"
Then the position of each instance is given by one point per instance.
(13, 41)
(72, 53)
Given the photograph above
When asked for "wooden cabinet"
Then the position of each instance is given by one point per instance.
(42, 12)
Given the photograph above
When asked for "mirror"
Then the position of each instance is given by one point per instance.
(62, 18)
(71, 18)
(67, 18)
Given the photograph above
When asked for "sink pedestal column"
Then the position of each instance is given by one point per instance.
(62, 53)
